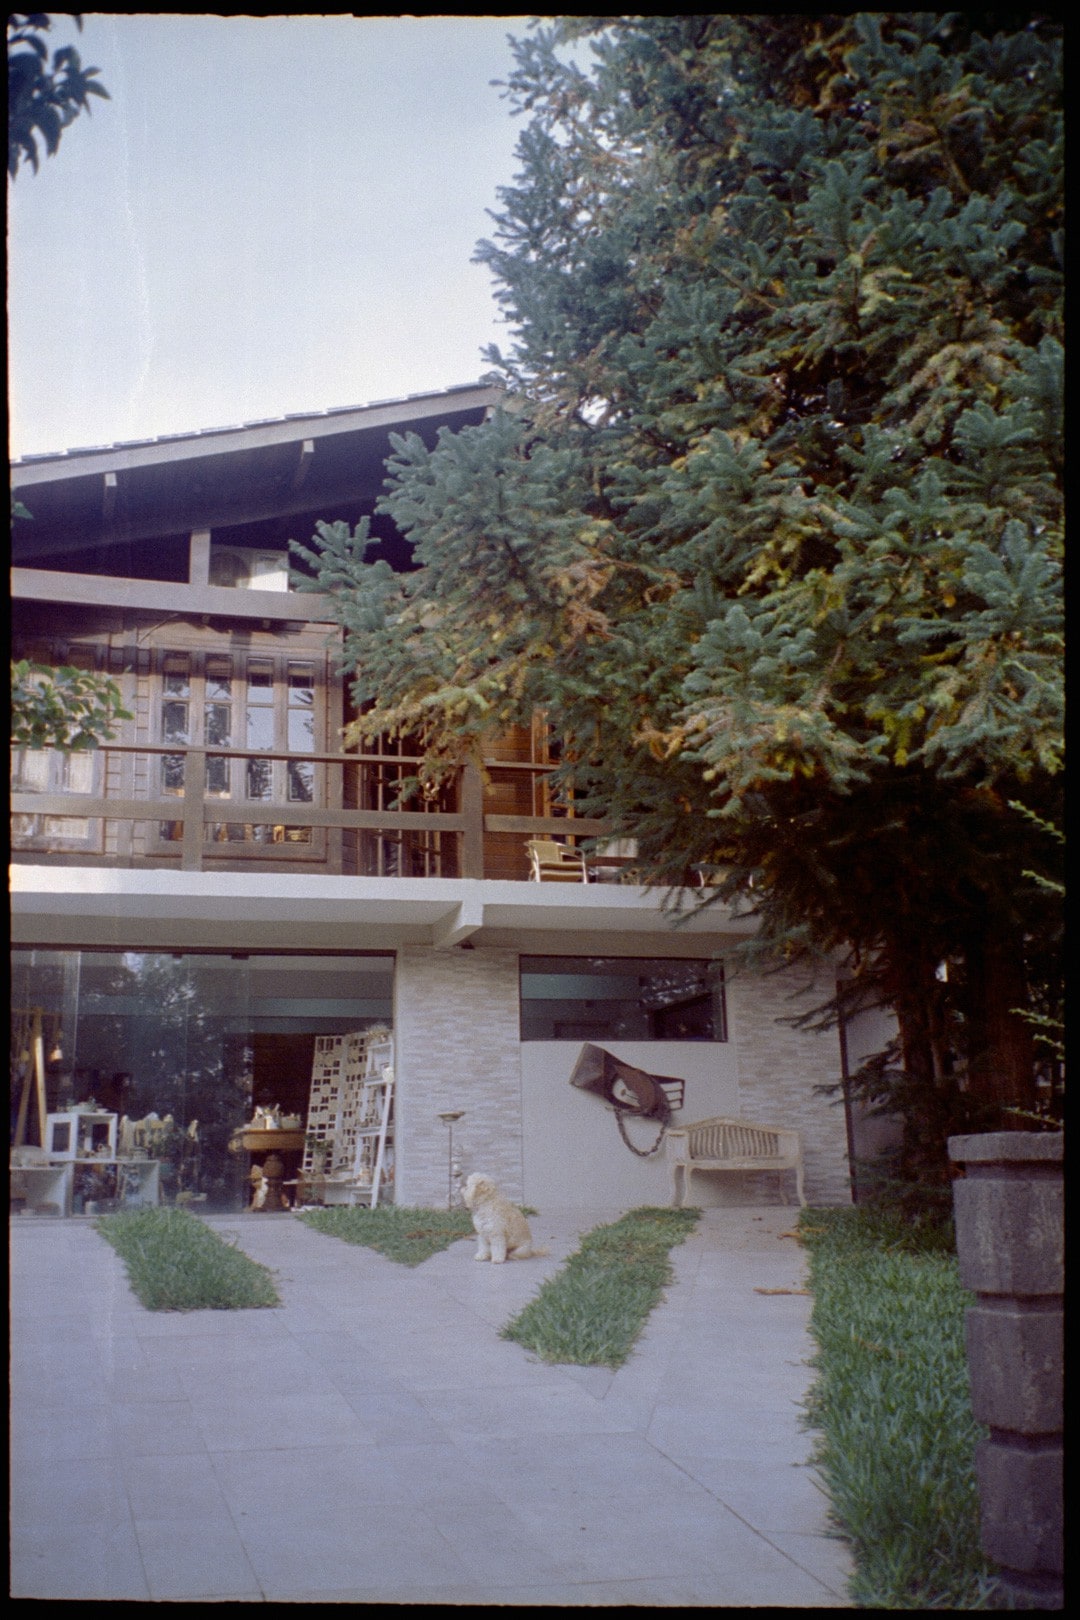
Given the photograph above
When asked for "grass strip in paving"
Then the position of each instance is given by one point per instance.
(892, 1402)
(406, 1235)
(592, 1311)
(176, 1263)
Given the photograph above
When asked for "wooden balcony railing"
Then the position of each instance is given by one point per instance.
(189, 812)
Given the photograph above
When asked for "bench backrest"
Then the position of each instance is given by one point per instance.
(728, 1139)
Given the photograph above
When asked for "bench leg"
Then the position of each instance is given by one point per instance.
(676, 1199)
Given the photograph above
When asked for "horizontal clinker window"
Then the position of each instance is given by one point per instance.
(625, 998)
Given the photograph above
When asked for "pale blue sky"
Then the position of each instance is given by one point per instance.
(271, 214)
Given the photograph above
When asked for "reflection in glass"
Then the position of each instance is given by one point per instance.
(259, 778)
(260, 682)
(219, 679)
(301, 732)
(218, 735)
(200, 1037)
(177, 683)
(174, 728)
(260, 728)
(301, 782)
(595, 998)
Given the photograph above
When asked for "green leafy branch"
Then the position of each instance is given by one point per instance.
(42, 99)
(66, 708)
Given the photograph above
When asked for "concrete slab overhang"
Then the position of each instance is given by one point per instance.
(70, 907)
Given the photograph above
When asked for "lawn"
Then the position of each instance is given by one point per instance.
(396, 1231)
(176, 1263)
(893, 1406)
(591, 1312)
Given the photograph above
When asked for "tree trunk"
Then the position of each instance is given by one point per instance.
(917, 1000)
(1001, 1049)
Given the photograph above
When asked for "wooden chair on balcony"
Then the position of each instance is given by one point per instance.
(553, 862)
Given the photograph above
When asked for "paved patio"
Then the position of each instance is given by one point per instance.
(374, 1440)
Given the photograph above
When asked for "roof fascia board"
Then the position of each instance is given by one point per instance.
(255, 436)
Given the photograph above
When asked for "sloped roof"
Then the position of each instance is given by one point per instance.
(300, 463)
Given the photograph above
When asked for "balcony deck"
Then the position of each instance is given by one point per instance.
(204, 832)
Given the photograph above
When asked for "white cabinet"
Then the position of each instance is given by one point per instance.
(79, 1134)
(43, 1187)
(123, 1183)
(68, 1185)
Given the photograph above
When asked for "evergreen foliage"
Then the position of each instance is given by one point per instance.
(771, 522)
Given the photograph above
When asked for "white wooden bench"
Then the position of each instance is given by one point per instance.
(723, 1145)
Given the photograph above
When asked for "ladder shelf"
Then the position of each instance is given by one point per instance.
(348, 1151)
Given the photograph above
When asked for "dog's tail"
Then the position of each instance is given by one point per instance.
(530, 1253)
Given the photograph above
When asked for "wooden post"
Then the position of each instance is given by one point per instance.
(472, 808)
(191, 857)
(28, 1078)
(38, 1048)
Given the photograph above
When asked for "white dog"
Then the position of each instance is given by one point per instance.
(502, 1232)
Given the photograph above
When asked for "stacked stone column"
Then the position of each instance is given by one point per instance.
(1009, 1207)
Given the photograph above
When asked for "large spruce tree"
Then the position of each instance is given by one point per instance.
(771, 523)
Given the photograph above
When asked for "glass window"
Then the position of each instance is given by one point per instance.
(219, 711)
(175, 718)
(626, 998)
(50, 770)
(301, 733)
(268, 704)
(47, 770)
(198, 1039)
(260, 726)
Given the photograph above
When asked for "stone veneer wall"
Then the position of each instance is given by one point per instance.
(778, 1068)
(456, 1030)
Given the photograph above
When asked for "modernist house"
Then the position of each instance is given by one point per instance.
(197, 902)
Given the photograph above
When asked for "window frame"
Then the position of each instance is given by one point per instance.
(710, 972)
(200, 698)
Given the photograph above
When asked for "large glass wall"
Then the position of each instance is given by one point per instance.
(204, 1039)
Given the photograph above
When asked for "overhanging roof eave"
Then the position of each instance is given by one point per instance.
(381, 417)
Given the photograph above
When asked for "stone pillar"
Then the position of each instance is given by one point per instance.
(1009, 1206)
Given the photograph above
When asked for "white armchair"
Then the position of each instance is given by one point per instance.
(553, 862)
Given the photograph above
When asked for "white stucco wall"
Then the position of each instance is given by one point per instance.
(573, 1153)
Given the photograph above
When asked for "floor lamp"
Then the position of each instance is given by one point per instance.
(449, 1119)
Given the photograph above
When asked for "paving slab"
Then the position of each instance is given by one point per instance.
(374, 1440)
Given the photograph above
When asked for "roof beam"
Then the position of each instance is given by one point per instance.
(307, 451)
(216, 601)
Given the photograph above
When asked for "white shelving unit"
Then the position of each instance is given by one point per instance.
(373, 1136)
(348, 1147)
(52, 1184)
(79, 1133)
